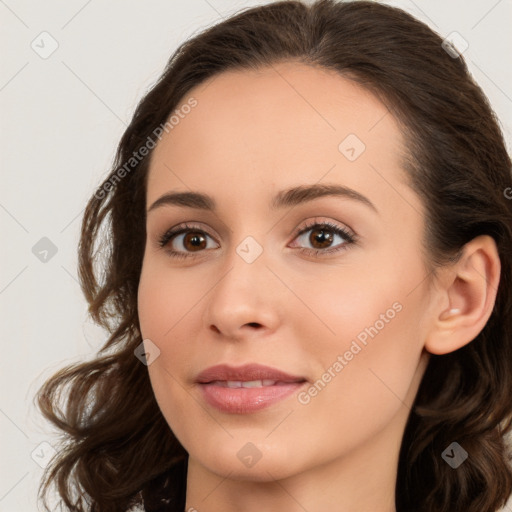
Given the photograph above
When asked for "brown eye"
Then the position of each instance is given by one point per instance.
(184, 240)
(194, 241)
(321, 238)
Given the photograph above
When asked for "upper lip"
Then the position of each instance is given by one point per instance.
(248, 372)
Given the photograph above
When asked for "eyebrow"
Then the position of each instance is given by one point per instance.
(283, 199)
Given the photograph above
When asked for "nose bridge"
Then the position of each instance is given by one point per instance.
(245, 272)
(243, 295)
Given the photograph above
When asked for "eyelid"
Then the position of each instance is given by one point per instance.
(340, 229)
(181, 228)
(317, 221)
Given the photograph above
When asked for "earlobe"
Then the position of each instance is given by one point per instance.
(469, 288)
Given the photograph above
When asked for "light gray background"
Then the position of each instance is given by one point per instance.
(62, 117)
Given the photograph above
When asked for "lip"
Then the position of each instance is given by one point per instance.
(244, 400)
(246, 372)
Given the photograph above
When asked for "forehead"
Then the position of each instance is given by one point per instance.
(277, 125)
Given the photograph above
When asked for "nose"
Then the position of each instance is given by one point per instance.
(246, 300)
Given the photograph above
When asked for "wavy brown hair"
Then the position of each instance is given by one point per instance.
(118, 449)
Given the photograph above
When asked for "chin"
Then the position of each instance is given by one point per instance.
(248, 461)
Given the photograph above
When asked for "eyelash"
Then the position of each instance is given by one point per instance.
(350, 238)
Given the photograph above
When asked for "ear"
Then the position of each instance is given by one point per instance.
(466, 295)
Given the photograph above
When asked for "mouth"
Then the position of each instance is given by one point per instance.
(246, 389)
(248, 374)
(233, 384)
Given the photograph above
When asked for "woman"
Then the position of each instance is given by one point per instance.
(306, 280)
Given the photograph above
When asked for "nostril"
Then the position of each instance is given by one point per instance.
(254, 324)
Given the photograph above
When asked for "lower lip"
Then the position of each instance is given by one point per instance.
(247, 400)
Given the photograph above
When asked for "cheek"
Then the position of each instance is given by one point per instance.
(168, 308)
(165, 298)
(366, 376)
(364, 331)
(349, 305)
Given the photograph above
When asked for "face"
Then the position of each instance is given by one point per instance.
(328, 288)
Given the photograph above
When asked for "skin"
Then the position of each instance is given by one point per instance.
(251, 135)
